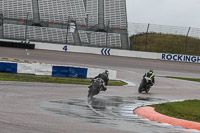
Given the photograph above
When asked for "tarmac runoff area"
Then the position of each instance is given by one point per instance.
(151, 114)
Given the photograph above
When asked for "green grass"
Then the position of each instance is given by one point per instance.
(50, 79)
(182, 78)
(165, 43)
(188, 110)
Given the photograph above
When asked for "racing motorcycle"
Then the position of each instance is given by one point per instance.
(95, 88)
(145, 85)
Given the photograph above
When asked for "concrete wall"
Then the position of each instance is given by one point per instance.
(116, 52)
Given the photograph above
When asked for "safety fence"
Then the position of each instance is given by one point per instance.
(162, 38)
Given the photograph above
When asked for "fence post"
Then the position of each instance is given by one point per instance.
(187, 40)
(68, 26)
(1, 26)
(26, 27)
(107, 33)
(87, 21)
(146, 37)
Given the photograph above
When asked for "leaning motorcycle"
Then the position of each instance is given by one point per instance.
(145, 85)
(95, 88)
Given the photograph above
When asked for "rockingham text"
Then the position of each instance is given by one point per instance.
(176, 57)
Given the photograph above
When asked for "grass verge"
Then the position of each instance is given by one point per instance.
(50, 79)
(165, 43)
(189, 79)
(188, 109)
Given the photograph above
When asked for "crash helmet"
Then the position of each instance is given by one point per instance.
(151, 70)
(106, 72)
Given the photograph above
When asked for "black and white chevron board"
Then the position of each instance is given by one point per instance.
(105, 51)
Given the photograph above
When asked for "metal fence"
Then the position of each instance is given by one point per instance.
(162, 38)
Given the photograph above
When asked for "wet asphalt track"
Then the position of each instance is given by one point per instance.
(46, 108)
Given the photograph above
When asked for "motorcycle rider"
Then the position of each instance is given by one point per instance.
(150, 75)
(104, 77)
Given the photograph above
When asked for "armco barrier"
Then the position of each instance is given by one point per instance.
(48, 69)
(17, 45)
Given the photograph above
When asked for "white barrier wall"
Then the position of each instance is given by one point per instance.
(116, 52)
(70, 48)
(92, 50)
(43, 69)
(26, 68)
(47, 69)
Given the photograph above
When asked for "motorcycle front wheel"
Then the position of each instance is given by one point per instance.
(140, 89)
(90, 92)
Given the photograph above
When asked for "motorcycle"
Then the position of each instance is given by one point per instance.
(145, 85)
(95, 88)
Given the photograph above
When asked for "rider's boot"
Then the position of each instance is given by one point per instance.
(104, 88)
(89, 86)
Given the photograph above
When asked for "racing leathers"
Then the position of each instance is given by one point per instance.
(104, 77)
(150, 75)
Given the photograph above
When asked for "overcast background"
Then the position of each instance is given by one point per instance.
(184, 13)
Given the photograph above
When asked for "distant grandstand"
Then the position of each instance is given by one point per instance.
(96, 23)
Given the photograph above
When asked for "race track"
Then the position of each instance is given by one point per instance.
(59, 108)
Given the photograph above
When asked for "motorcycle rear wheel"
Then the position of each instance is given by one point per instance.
(147, 90)
(92, 92)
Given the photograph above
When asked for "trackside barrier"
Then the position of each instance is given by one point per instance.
(43, 69)
(116, 52)
(26, 68)
(53, 70)
(17, 44)
(8, 67)
(124, 53)
(69, 71)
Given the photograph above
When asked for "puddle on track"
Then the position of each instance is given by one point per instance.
(112, 111)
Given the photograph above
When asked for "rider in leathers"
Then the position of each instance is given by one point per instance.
(104, 77)
(150, 75)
